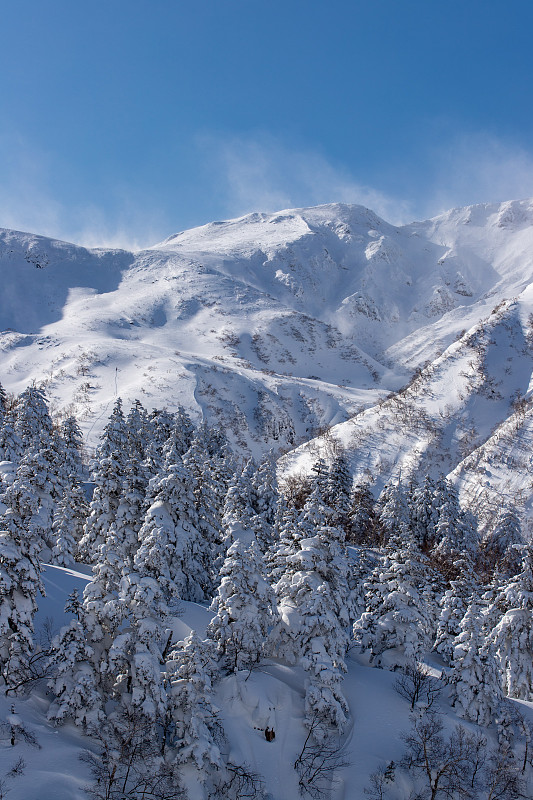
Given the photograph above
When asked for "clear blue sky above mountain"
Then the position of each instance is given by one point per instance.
(123, 122)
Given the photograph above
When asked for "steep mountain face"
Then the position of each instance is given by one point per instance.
(278, 325)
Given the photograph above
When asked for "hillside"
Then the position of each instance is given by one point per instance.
(277, 326)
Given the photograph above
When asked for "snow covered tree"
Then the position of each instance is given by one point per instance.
(512, 637)
(111, 465)
(107, 478)
(190, 671)
(239, 506)
(129, 515)
(392, 513)
(475, 691)
(314, 605)
(455, 531)
(67, 525)
(453, 606)
(137, 431)
(10, 444)
(244, 609)
(71, 444)
(70, 510)
(86, 676)
(361, 517)
(337, 490)
(170, 542)
(20, 544)
(423, 512)
(207, 493)
(397, 624)
(502, 547)
(265, 503)
(33, 423)
(137, 654)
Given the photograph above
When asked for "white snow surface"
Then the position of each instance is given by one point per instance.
(279, 325)
(270, 696)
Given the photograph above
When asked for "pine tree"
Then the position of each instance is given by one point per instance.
(11, 448)
(361, 516)
(397, 625)
(423, 512)
(502, 548)
(70, 509)
(512, 637)
(239, 507)
(455, 531)
(190, 671)
(337, 491)
(108, 478)
(85, 676)
(453, 606)
(111, 465)
(137, 425)
(265, 503)
(475, 688)
(208, 512)
(33, 424)
(71, 450)
(169, 538)
(20, 544)
(75, 683)
(68, 525)
(314, 605)
(392, 513)
(137, 653)
(244, 609)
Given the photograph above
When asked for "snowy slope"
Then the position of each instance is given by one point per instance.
(467, 413)
(271, 695)
(279, 325)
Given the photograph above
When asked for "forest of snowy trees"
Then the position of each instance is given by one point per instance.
(298, 575)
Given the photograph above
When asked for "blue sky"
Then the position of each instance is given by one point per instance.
(123, 122)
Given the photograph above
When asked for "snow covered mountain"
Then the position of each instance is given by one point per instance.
(280, 325)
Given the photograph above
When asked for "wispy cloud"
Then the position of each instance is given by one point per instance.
(29, 201)
(262, 174)
(243, 174)
(476, 168)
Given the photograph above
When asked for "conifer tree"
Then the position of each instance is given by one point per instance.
(453, 606)
(68, 525)
(10, 444)
(455, 531)
(110, 469)
(239, 506)
(337, 491)
(265, 503)
(190, 671)
(71, 509)
(361, 516)
(502, 548)
(423, 512)
(314, 605)
(208, 512)
(20, 544)
(397, 624)
(169, 538)
(85, 676)
(392, 513)
(244, 609)
(475, 687)
(137, 653)
(512, 637)
(33, 424)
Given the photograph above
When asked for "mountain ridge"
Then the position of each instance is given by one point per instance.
(277, 326)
